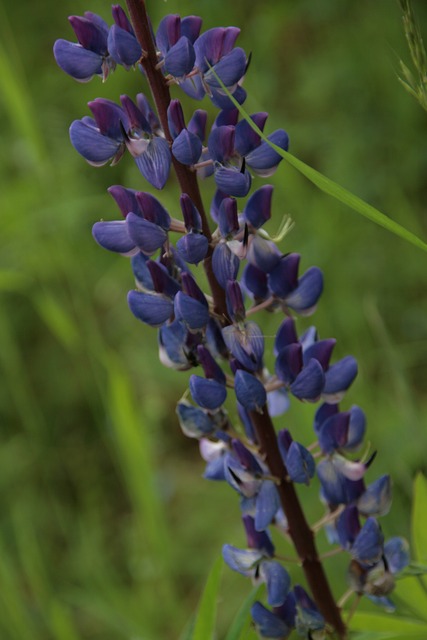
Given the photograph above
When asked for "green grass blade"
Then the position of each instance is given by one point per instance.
(239, 626)
(204, 626)
(136, 458)
(330, 187)
(419, 518)
(384, 627)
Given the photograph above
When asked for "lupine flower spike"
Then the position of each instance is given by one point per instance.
(216, 333)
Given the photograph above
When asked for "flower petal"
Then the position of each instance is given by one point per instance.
(91, 144)
(208, 394)
(78, 62)
(114, 236)
(154, 163)
(146, 235)
(250, 391)
(153, 309)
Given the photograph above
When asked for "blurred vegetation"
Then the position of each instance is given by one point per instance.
(106, 530)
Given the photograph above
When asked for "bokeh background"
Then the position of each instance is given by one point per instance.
(106, 528)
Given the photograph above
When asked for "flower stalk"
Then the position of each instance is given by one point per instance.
(215, 331)
(161, 95)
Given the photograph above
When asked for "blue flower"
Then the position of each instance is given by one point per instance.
(113, 129)
(123, 46)
(90, 55)
(215, 52)
(235, 147)
(175, 39)
(257, 563)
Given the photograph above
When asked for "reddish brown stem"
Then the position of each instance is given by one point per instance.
(299, 530)
(187, 179)
(301, 534)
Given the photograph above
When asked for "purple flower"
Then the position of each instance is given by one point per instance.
(215, 52)
(123, 46)
(89, 56)
(235, 147)
(257, 563)
(175, 38)
(113, 129)
(144, 229)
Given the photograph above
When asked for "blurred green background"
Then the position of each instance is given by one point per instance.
(106, 528)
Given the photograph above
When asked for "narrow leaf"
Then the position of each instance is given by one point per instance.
(386, 626)
(419, 519)
(239, 624)
(204, 626)
(329, 186)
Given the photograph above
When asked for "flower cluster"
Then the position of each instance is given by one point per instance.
(252, 275)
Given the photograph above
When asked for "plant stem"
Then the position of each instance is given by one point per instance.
(299, 530)
(301, 534)
(187, 179)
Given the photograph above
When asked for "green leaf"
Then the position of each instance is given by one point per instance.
(413, 569)
(385, 627)
(419, 518)
(411, 595)
(204, 626)
(329, 186)
(240, 622)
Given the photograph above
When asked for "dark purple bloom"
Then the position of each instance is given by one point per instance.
(300, 294)
(152, 308)
(207, 393)
(225, 264)
(187, 145)
(270, 624)
(90, 55)
(215, 55)
(376, 499)
(113, 129)
(298, 460)
(144, 228)
(258, 565)
(246, 343)
(122, 43)
(250, 391)
(175, 38)
(258, 208)
(194, 422)
(174, 351)
(308, 619)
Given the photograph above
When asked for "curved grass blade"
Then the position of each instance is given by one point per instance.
(239, 624)
(329, 186)
(385, 627)
(204, 625)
